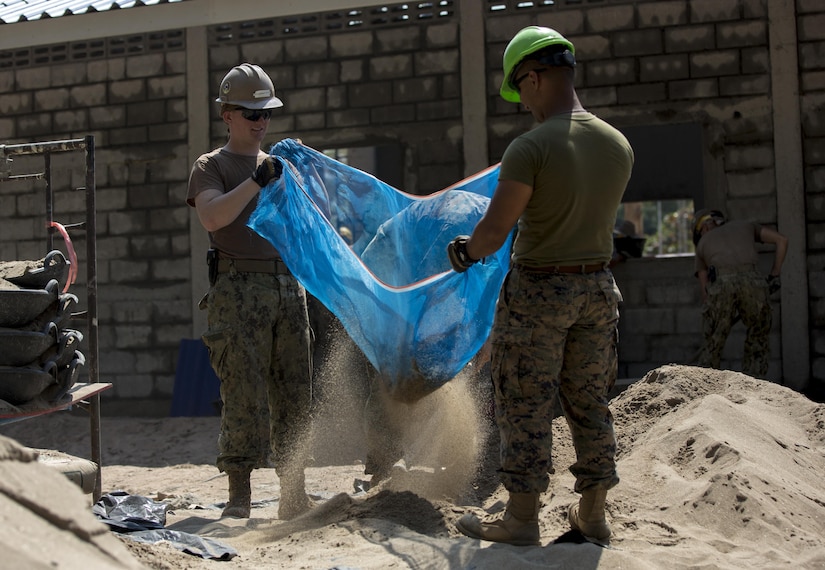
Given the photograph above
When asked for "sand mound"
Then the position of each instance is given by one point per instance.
(45, 519)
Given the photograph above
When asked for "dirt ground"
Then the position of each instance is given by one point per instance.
(718, 470)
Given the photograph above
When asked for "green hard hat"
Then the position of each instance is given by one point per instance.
(529, 40)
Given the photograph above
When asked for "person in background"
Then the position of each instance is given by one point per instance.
(732, 287)
(258, 336)
(555, 331)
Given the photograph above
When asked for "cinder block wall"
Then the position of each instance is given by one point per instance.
(381, 85)
(641, 63)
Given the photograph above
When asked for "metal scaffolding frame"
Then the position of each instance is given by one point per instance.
(89, 226)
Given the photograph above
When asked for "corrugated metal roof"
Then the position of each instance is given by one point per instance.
(24, 10)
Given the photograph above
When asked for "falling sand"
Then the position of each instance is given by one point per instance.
(442, 436)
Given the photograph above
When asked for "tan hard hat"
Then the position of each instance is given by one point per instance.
(248, 86)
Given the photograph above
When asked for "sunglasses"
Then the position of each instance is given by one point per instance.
(523, 77)
(255, 114)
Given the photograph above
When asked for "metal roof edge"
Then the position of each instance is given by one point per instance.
(166, 16)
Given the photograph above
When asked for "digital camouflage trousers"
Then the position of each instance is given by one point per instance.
(554, 342)
(259, 342)
(745, 295)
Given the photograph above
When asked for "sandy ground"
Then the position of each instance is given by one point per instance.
(718, 471)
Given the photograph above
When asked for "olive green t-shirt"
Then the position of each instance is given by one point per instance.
(222, 170)
(578, 166)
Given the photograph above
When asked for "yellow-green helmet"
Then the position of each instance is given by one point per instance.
(527, 41)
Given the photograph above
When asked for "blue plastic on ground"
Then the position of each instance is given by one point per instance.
(417, 321)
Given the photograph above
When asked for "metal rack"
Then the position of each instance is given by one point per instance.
(88, 397)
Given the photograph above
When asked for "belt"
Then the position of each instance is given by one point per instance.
(732, 269)
(272, 266)
(558, 269)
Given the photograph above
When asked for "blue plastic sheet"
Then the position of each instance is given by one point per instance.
(376, 258)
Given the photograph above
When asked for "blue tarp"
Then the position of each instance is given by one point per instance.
(376, 258)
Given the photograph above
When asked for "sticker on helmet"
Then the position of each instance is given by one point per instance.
(261, 93)
(226, 87)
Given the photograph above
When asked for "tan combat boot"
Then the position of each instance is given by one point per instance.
(240, 494)
(294, 500)
(518, 525)
(588, 515)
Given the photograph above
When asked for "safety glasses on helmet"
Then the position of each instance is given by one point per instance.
(255, 114)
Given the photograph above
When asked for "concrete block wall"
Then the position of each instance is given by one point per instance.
(374, 86)
(661, 318)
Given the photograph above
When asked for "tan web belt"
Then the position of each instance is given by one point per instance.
(732, 269)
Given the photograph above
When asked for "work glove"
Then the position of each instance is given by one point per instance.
(773, 284)
(270, 169)
(457, 252)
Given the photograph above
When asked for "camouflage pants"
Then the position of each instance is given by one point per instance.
(554, 339)
(259, 346)
(745, 294)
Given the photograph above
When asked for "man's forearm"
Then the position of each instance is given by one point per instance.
(486, 240)
(221, 210)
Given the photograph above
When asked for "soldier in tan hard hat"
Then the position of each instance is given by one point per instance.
(258, 332)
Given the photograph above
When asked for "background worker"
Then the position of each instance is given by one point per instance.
(731, 286)
(258, 328)
(555, 330)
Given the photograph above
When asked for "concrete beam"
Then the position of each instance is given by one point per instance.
(197, 103)
(473, 86)
(790, 191)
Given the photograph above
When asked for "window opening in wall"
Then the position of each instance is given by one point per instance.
(665, 226)
(385, 161)
(339, 154)
(666, 184)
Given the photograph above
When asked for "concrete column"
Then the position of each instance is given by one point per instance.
(473, 85)
(790, 191)
(198, 98)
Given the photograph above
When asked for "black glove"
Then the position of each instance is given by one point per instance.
(457, 252)
(773, 284)
(269, 170)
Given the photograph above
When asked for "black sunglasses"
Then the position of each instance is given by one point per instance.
(255, 114)
(523, 77)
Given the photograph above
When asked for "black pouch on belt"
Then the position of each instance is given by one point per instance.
(212, 262)
(712, 273)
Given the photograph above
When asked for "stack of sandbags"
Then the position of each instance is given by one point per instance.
(39, 353)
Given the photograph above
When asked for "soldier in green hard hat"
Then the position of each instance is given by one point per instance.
(555, 331)
(534, 43)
